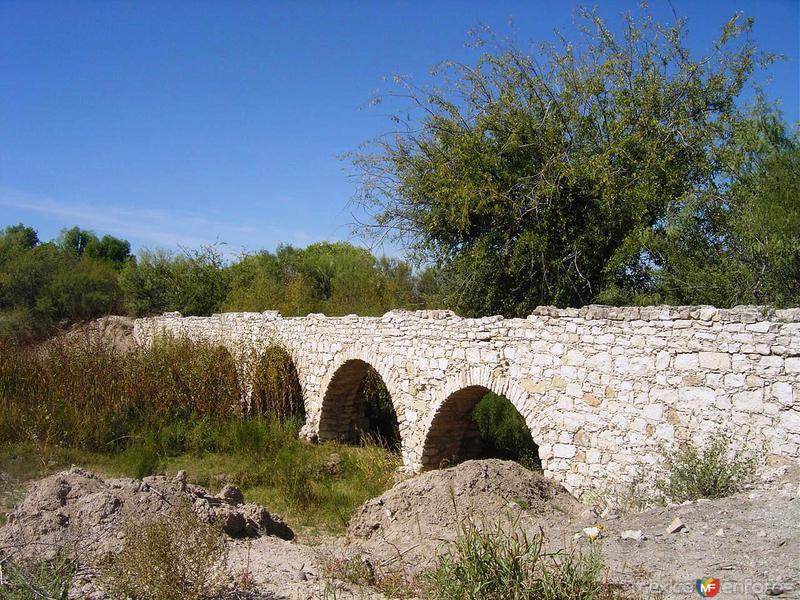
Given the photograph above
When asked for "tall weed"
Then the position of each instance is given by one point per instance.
(87, 394)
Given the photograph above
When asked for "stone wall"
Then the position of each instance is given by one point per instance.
(604, 390)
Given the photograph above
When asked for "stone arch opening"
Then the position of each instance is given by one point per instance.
(357, 407)
(276, 389)
(475, 423)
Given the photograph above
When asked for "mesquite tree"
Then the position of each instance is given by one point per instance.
(548, 177)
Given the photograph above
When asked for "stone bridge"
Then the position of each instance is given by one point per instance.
(604, 390)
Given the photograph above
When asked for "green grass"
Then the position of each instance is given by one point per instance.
(501, 561)
(295, 481)
(36, 580)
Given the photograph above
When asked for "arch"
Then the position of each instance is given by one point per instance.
(343, 414)
(450, 433)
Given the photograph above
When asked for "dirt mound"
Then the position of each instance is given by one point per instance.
(424, 510)
(114, 330)
(78, 513)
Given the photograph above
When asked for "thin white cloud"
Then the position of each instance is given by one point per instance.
(162, 227)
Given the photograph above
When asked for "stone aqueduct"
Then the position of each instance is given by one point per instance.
(604, 390)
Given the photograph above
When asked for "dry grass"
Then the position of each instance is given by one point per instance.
(177, 405)
(172, 557)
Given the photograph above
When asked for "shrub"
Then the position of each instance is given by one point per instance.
(22, 326)
(173, 557)
(84, 291)
(714, 471)
(501, 561)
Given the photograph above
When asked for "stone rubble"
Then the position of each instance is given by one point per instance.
(79, 511)
(675, 526)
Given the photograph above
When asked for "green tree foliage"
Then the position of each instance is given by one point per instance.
(73, 278)
(741, 247)
(79, 242)
(18, 237)
(25, 274)
(542, 179)
(194, 282)
(75, 241)
(146, 283)
(79, 276)
(111, 249)
(504, 433)
(332, 278)
(81, 291)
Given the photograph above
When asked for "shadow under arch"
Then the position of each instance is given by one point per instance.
(356, 403)
(458, 432)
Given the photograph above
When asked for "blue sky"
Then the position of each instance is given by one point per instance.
(183, 123)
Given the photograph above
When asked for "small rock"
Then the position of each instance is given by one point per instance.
(720, 532)
(608, 513)
(333, 464)
(636, 535)
(675, 526)
(588, 515)
(231, 494)
(592, 532)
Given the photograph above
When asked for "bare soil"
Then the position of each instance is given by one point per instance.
(750, 541)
